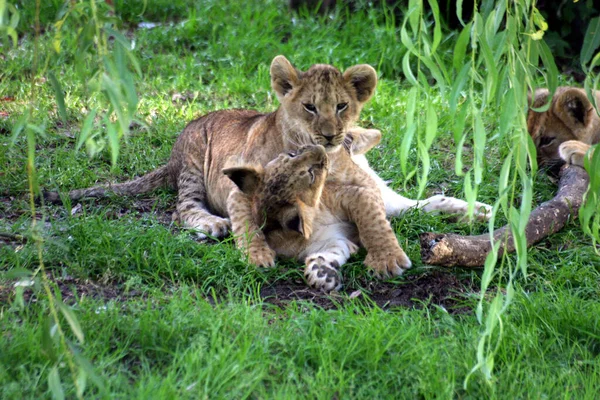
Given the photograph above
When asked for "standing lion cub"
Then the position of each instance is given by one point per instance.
(566, 131)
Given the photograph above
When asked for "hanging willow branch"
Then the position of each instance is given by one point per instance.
(550, 217)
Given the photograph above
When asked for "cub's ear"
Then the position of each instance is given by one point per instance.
(246, 177)
(284, 77)
(573, 108)
(540, 97)
(364, 79)
(362, 140)
(536, 120)
(299, 220)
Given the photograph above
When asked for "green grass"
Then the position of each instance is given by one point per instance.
(196, 326)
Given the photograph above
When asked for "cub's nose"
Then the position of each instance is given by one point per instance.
(329, 138)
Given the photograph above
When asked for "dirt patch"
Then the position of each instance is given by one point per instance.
(72, 290)
(431, 288)
(427, 289)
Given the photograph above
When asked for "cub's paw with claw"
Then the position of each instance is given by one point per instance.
(262, 256)
(388, 263)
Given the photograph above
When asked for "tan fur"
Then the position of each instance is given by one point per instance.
(317, 107)
(283, 196)
(566, 131)
(325, 221)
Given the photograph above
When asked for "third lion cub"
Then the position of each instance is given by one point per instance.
(566, 131)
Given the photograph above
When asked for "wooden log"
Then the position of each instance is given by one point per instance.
(550, 217)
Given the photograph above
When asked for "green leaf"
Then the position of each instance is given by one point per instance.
(503, 181)
(526, 197)
(591, 41)
(437, 29)
(459, 11)
(55, 385)
(113, 141)
(431, 126)
(81, 382)
(552, 70)
(414, 13)
(508, 115)
(10, 31)
(48, 345)
(109, 87)
(60, 99)
(407, 70)
(457, 86)
(405, 39)
(460, 48)
(17, 273)
(18, 127)
(479, 139)
(72, 321)
(425, 167)
(86, 129)
(405, 148)
(85, 365)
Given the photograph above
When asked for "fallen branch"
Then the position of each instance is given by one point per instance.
(550, 217)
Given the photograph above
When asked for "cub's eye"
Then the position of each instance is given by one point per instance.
(341, 107)
(310, 108)
(546, 141)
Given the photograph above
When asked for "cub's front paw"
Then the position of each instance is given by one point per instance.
(388, 263)
(261, 256)
(322, 274)
(573, 152)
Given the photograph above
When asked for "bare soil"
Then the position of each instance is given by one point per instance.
(428, 289)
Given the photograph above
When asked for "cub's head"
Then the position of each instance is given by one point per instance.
(284, 193)
(319, 105)
(570, 116)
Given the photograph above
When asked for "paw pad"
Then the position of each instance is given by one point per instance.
(322, 274)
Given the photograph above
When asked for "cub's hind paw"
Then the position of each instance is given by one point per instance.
(482, 212)
(209, 225)
(388, 263)
(573, 152)
(322, 274)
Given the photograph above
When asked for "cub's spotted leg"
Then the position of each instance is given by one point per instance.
(248, 235)
(573, 152)
(329, 249)
(396, 205)
(364, 207)
(191, 208)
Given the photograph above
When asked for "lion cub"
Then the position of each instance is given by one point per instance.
(566, 131)
(301, 215)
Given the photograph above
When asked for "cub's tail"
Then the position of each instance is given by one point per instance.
(145, 183)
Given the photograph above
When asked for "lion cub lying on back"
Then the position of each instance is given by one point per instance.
(566, 131)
